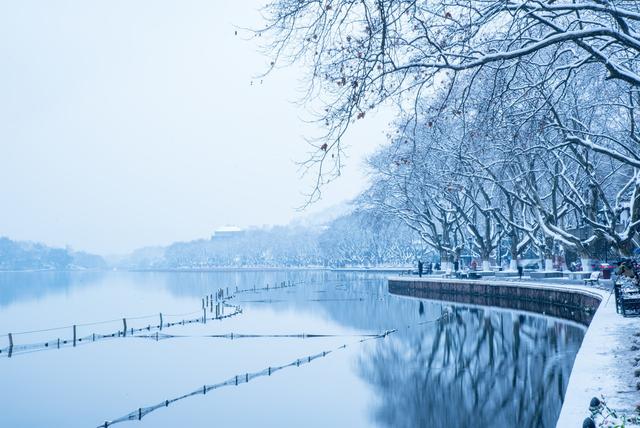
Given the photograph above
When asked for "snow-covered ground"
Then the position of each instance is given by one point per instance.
(604, 367)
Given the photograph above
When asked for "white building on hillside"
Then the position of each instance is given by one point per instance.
(226, 232)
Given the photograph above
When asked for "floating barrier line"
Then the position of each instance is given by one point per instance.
(234, 336)
(221, 304)
(44, 330)
(355, 299)
(233, 381)
(104, 322)
(267, 288)
(57, 343)
(244, 378)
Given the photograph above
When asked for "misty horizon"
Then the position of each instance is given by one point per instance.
(128, 126)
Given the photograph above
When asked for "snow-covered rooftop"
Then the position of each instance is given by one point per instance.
(227, 229)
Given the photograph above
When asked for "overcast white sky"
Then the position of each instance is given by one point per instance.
(133, 123)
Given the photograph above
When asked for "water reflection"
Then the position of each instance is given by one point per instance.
(480, 367)
(477, 368)
(18, 286)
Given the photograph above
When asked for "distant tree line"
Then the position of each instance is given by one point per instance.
(21, 255)
(357, 239)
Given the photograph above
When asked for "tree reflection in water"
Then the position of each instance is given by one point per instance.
(478, 368)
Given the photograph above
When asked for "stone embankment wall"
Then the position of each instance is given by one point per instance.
(572, 304)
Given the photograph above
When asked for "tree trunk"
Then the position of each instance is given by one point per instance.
(513, 264)
(445, 261)
(547, 254)
(586, 263)
(486, 265)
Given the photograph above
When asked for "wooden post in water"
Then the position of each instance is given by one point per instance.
(74, 335)
(204, 316)
(124, 328)
(203, 303)
(160, 320)
(10, 344)
(207, 300)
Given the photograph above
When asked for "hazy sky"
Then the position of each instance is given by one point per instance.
(133, 123)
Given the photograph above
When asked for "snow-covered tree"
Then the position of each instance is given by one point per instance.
(517, 119)
(362, 54)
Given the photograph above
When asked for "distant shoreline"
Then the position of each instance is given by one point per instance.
(382, 269)
(275, 268)
(54, 270)
(219, 269)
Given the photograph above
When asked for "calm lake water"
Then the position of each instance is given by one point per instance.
(476, 367)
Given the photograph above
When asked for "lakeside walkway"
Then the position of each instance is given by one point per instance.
(606, 363)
